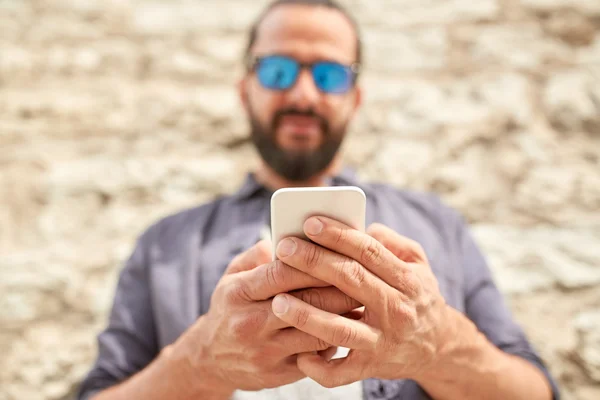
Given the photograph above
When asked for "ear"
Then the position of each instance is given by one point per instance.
(358, 98)
(242, 87)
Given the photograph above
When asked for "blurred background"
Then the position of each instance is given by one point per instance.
(115, 113)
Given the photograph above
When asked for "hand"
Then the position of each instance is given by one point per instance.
(240, 343)
(400, 331)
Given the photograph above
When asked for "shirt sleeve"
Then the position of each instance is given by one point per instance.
(128, 344)
(486, 307)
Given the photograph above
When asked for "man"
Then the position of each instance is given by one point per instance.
(201, 312)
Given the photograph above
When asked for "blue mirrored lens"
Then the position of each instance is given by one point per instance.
(332, 77)
(278, 73)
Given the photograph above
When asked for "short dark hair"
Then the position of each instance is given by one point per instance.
(325, 3)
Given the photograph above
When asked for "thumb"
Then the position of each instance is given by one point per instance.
(256, 255)
(330, 373)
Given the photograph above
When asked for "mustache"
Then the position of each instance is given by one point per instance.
(300, 113)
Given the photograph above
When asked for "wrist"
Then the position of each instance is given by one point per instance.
(187, 361)
(461, 348)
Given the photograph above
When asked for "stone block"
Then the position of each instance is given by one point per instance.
(58, 27)
(400, 13)
(181, 17)
(47, 361)
(420, 106)
(526, 260)
(571, 27)
(218, 103)
(547, 191)
(14, 17)
(224, 50)
(587, 325)
(117, 57)
(16, 63)
(393, 51)
(400, 162)
(31, 289)
(590, 55)
(586, 7)
(589, 190)
(572, 100)
(114, 177)
(517, 264)
(523, 46)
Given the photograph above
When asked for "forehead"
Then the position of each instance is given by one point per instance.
(307, 33)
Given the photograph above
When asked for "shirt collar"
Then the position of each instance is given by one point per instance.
(251, 187)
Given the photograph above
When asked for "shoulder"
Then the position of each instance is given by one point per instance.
(414, 204)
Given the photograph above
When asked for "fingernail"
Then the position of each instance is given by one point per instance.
(280, 305)
(286, 247)
(313, 226)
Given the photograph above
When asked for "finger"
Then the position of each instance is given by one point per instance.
(273, 278)
(329, 299)
(402, 247)
(333, 373)
(355, 314)
(330, 328)
(257, 255)
(329, 353)
(340, 271)
(363, 248)
(294, 341)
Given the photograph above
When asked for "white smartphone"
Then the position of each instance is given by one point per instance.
(291, 207)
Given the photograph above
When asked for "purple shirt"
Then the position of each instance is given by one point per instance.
(167, 282)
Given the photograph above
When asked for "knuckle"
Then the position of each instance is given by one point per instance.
(411, 286)
(301, 317)
(349, 303)
(404, 313)
(238, 327)
(275, 274)
(222, 288)
(257, 359)
(243, 326)
(263, 251)
(343, 336)
(312, 296)
(353, 273)
(417, 250)
(237, 291)
(235, 261)
(341, 236)
(411, 316)
(398, 276)
(312, 256)
(327, 382)
(370, 253)
(260, 357)
(321, 344)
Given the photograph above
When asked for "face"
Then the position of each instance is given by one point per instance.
(299, 130)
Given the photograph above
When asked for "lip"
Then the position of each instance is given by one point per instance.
(300, 120)
(299, 125)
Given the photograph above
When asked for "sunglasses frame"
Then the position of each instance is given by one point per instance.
(355, 68)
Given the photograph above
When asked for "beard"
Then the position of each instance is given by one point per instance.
(296, 165)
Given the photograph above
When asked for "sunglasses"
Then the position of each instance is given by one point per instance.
(277, 72)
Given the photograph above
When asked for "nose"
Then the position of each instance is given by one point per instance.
(304, 94)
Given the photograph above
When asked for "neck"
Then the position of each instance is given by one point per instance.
(272, 180)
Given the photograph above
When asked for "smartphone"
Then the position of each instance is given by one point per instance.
(291, 207)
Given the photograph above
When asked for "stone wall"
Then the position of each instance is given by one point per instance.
(114, 113)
